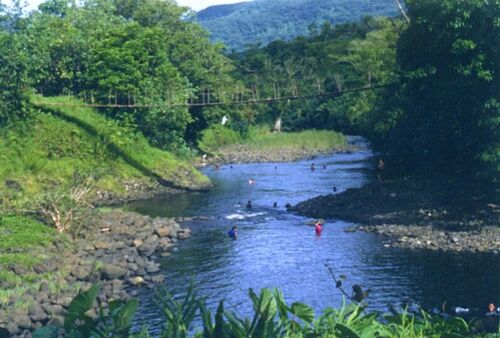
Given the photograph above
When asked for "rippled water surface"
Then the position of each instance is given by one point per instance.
(278, 249)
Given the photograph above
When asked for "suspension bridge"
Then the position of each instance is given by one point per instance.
(245, 96)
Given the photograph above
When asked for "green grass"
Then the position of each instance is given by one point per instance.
(24, 243)
(44, 152)
(319, 140)
(260, 138)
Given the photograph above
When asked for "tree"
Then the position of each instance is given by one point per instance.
(449, 55)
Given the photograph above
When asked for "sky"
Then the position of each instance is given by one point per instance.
(194, 4)
(201, 4)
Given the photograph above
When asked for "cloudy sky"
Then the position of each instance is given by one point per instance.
(194, 4)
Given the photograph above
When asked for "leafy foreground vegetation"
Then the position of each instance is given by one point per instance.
(273, 317)
(261, 139)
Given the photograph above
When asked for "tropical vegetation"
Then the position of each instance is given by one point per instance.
(189, 316)
(250, 23)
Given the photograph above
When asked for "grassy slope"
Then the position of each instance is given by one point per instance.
(43, 154)
(46, 151)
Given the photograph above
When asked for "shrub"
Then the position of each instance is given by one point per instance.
(217, 136)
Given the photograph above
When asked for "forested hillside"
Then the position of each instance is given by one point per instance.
(262, 21)
(439, 116)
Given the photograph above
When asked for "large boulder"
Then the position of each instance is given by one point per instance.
(164, 231)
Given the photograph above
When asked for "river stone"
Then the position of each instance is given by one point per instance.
(13, 328)
(184, 233)
(81, 272)
(163, 231)
(24, 321)
(56, 321)
(137, 280)
(132, 266)
(48, 265)
(116, 285)
(165, 243)
(112, 271)
(36, 312)
(149, 246)
(158, 279)
(152, 267)
(19, 269)
(101, 244)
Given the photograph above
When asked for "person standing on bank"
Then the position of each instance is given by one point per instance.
(380, 171)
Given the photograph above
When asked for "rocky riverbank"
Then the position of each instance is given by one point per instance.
(134, 190)
(248, 154)
(414, 214)
(119, 251)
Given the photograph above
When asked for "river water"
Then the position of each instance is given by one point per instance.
(278, 249)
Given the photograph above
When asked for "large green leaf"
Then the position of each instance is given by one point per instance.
(78, 306)
(346, 332)
(219, 321)
(303, 311)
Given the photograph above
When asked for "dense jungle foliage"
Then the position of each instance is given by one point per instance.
(262, 21)
(114, 51)
(439, 116)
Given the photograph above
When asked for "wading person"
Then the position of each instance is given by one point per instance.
(233, 233)
(318, 228)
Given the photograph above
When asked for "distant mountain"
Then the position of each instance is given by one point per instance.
(262, 21)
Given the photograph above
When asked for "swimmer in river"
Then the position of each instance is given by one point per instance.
(275, 204)
(249, 205)
(233, 233)
(251, 181)
(334, 189)
(312, 167)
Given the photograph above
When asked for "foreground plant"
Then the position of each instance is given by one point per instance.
(272, 318)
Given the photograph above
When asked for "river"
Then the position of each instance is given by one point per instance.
(276, 248)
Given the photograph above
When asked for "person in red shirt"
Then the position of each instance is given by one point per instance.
(318, 227)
